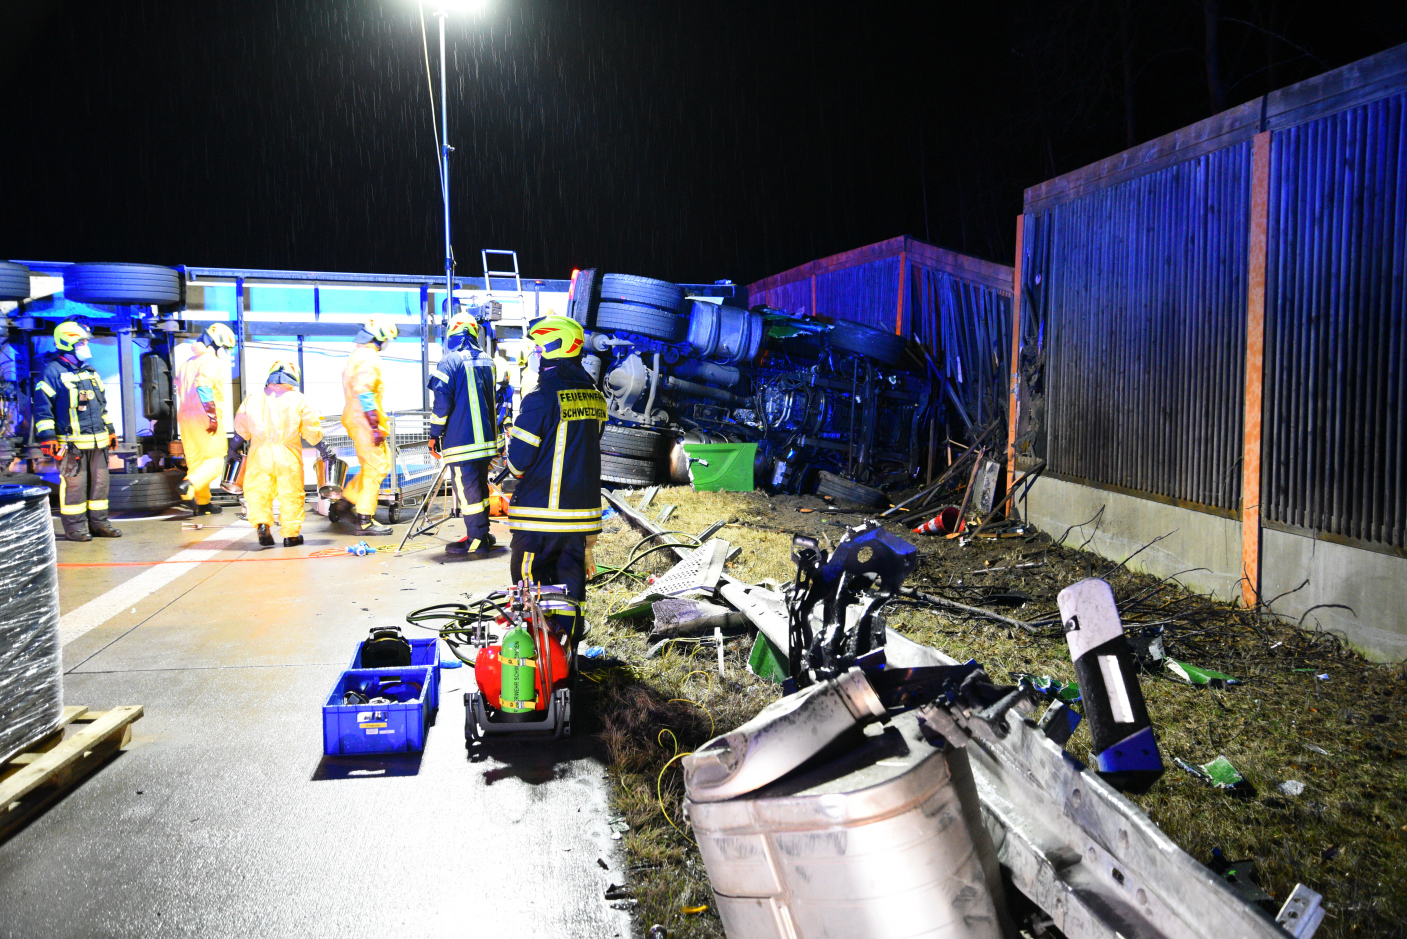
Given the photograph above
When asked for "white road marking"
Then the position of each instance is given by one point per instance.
(99, 610)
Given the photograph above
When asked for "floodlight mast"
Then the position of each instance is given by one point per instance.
(445, 149)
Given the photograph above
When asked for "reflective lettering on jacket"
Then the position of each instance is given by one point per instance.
(555, 449)
(464, 412)
(70, 404)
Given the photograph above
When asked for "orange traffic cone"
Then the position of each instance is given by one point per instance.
(948, 521)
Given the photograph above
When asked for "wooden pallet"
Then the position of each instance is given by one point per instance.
(30, 781)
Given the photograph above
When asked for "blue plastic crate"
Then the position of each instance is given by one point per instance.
(422, 652)
(377, 728)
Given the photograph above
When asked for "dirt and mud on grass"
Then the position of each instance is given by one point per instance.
(1315, 729)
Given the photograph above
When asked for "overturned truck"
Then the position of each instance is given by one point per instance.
(831, 405)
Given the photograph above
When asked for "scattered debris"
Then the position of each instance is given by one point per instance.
(683, 616)
(1240, 875)
(1301, 914)
(766, 660)
(1291, 788)
(664, 513)
(693, 910)
(1200, 676)
(601, 862)
(619, 892)
(1218, 772)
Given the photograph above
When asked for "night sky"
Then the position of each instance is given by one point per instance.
(689, 141)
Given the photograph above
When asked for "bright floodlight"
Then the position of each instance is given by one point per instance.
(463, 6)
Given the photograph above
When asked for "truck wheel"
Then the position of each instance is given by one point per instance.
(627, 471)
(642, 320)
(839, 487)
(866, 340)
(14, 281)
(638, 442)
(585, 297)
(140, 284)
(646, 291)
(144, 492)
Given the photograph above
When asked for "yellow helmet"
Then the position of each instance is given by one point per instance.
(380, 329)
(218, 336)
(557, 336)
(462, 323)
(284, 373)
(68, 335)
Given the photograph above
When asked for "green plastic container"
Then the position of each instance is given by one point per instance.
(729, 466)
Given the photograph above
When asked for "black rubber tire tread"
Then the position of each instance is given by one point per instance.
(829, 484)
(14, 281)
(866, 340)
(586, 296)
(639, 442)
(646, 291)
(628, 471)
(641, 320)
(140, 284)
(131, 492)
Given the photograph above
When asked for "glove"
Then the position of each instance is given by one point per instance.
(378, 436)
(52, 449)
(323, 451)
(236, 444)
(434, 443)
(590, 557)
(213, 415)
(111, 440)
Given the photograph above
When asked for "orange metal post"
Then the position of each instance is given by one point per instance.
(1255, 368)
(1015, 357)
(903, 275)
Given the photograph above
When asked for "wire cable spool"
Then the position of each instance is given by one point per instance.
(31, 676)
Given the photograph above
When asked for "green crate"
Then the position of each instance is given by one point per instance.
(729, 466)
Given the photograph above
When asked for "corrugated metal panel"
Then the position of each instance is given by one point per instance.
(967, 329)
(794, 298)
(1335, 445)
(865, 293)
(1141, 291)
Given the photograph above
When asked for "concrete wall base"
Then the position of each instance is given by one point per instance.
(1373, 585)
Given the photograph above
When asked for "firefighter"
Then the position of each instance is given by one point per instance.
(73, 428)
(275, 421)
(200, 414)
(554, 449)
(365, 422)
(465, 428)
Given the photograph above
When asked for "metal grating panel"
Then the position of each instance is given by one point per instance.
(1335, 445)
(1139, 294)
(966, 327)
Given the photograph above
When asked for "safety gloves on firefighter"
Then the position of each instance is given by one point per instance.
(434, 444)
(52, 449)
(324, 451)
(212, 414)
(378, 435)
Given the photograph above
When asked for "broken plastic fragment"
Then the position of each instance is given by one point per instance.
(1051, 687)
(1218, 772)
(1199, 676)
(693, 910)
(1290, 787)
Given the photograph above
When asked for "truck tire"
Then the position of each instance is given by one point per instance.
(140, 284)
(645, 291)
(14, 281)
(628, 471)
(839, 487)
(642, 443)
(641, 320)
(585, 297)
(866, 340)
(144, 492)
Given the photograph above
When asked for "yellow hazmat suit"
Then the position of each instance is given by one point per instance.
(362, 376)
(201, 379)
(275, 421)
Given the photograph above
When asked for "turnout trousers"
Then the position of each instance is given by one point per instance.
(552, 558)
(470, 480)
(83, 488)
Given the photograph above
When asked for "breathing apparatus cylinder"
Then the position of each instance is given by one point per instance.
(518, 658)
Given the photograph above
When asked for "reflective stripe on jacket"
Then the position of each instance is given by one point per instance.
(555, 447)
(464, 413)
(70, 403)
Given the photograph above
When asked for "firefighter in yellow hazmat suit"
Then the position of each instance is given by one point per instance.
(275, 421)
(200, 414)
(365, 421)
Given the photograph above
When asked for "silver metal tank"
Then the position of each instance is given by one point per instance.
(883, 841)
